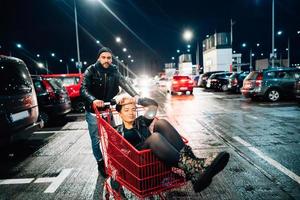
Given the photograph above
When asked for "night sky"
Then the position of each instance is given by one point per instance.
(154, 29)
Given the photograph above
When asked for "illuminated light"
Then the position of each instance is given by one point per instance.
(118, 39)
(188, 35)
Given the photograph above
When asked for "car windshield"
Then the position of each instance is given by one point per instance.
(14, 78)
(66, 81)
(56, 84)
(252, 76)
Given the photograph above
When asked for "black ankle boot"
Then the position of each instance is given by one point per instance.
(101, 168)
(199, 172)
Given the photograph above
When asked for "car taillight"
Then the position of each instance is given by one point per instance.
(49, 89)
(214, 80)
(258, 80)
(174, 82)
(191, 81)
(258, 83)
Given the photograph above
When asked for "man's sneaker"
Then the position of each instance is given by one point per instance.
(101, 168)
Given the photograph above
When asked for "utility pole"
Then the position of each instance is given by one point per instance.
(78, 64)
(251, 68)
(231, 31)
(273, 37)
(288, 52)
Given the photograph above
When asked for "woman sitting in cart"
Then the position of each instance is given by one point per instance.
(166, 143)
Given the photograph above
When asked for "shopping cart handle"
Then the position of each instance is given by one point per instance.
(106, 104)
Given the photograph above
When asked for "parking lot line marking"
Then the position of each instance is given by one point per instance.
(16, 181)
(276, 164)
(55, 181)
(45, 180)
(252, 117)
(61, 131)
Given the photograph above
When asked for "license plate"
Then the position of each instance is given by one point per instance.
(19, 115)
(183, 88)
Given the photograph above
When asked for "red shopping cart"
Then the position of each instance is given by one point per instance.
(140, 172)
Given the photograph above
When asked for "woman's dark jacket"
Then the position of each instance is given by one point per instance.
(103, 84)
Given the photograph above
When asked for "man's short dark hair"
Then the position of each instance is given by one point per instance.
(104, 49)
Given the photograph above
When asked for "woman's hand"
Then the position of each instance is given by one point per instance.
(127, 100)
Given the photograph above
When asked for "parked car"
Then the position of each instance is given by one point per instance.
(19, 114)
(272, 84)
(218, 81)
(72, 82)
(163, 82)
(181, 84)
(53, 98)
(297, 87)
(235, 81)
(203, 78)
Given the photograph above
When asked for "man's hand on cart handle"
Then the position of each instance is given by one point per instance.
(98, 103)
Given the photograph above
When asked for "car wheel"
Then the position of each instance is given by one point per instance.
(273, 95)
(45, 117)
(172, 93)
(224, 88)
(79, 106)
(191, 92)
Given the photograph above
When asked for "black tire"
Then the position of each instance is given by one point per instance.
(172, 93)
(224, 88)
(273, 95)
(45, 117)
(191, 92)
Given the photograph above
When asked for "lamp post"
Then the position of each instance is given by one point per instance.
(273, 38)
(78, 63)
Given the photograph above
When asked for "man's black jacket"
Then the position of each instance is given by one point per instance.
(103, 84)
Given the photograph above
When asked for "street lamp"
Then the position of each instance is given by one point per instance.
(98, 42)
(78, 64)
(53, 54)
(118, 40)
(187, 35)
(19, 45)
(38, 55)
(124, 49)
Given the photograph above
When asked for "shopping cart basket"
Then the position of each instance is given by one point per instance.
(138, 171)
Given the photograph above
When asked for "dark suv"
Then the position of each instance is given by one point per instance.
(72, 82)
(297, 87)
(235, 81)
(203, 78)
(218, 81)
(272, 84)
(52, 97)
(19, 114)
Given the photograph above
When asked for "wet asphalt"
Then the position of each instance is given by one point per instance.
(262, 138)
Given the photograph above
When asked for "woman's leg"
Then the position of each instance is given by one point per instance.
(161, 147)
(163, 127)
